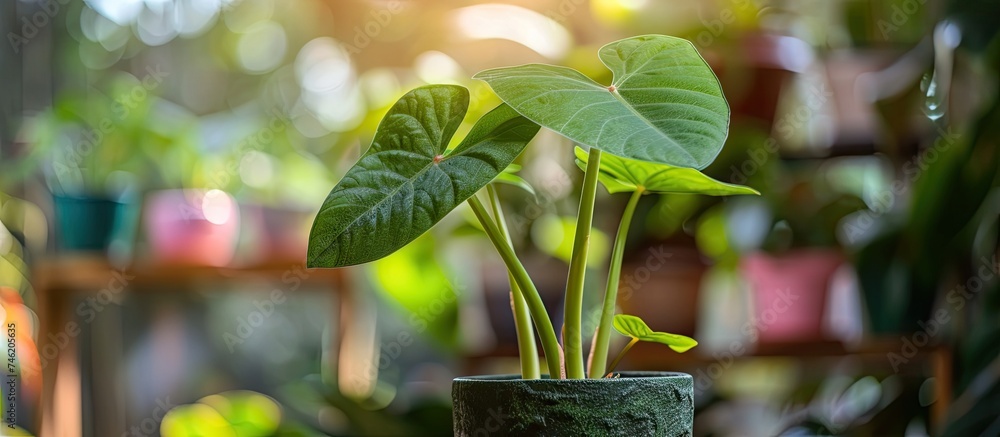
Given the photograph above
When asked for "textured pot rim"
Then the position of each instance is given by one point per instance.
(625, 376)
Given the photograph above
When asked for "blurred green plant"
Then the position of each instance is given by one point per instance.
(413, 280)
(234, 413)
(948, 229)
(106, 140)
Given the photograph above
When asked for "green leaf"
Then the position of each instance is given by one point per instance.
(196, 420)
(509, 177)
(634, 327)
(625, 175)
(405, 183)
(665, 104)
(249, 413)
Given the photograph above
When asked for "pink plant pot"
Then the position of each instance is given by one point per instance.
(789, 293)
(197, 227)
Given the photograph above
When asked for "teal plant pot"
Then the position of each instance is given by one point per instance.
(87, 223)
(636, 403)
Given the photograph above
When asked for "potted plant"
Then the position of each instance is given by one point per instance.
(189, 217)
(100, 148)
(90, 164)
(791, 267)
(662, 118)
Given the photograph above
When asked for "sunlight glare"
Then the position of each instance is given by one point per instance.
(514, 23)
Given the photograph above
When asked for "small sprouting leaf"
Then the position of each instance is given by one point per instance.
(509, 177)
(664, 103)
(623, 175)
(406, 182)
(634, 327)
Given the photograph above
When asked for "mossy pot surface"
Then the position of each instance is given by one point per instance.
(634, 404)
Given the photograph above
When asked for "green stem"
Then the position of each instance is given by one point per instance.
(621, 354)
(573, 312)
(547, 335)
(602, 336)
(526, 347)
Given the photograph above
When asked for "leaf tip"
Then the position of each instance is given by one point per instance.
(685, 348)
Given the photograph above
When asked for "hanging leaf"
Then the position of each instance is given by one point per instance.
(623, 175)
(634, 327)
(664, 103)
(406, 182)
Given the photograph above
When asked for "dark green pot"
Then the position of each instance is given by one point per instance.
(86, 223)
(635, 404)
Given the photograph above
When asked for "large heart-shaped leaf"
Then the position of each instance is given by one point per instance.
(664, 104)
(634, 327)
(623, 175)
(406, 182)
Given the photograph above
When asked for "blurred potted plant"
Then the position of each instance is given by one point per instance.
(791, 270)
(662, 117)
(91, 147)
(187, 219)
(278, 185)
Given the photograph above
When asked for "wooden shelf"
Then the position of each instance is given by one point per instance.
(651, 356)
(821, 348)
(59, 280)
(93, 273)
